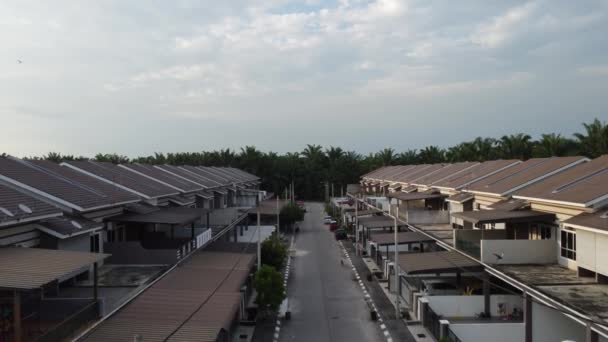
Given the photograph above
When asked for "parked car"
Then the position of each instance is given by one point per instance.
(328, 219)
(333, 226)
(340, 234)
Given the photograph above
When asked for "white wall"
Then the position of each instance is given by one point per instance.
(519, 251)
(429, 216)
(591, 251)
(494, 332)
(549, 325)
(468, 306)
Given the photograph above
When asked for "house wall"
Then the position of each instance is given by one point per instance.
(549, 325)
(468, 306)
(519, 251)
(591, 251)
(79, 243)
(562, 212)
(428, 217)
(495, 332)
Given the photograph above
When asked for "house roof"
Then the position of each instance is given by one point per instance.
(384, 239)
(191, 303)
(584, 184)
(172, 216)
(16, 207)
(419, 172)
(496, 216)
(477, 172)
(461, 197)
(414, 196)
(378, 173)
(523, 174)
(57, 185)
(209, 180)
(181, 200)
(177, 183)
(123, 178)
(509, 204)
(392, 174)
(597, 220)
(67, 226)
(207, 173)
(205, 194)
(30, 268)
(179, 172)
(245, 174)
(379, 222)
(443, 173)
(436, 262)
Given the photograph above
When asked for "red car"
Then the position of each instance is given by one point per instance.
(333, 226)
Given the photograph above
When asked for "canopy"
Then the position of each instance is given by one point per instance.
(403, 238)
(172, 216)
(496, 216)
(30, 268)
(460, 198)
(437, 262)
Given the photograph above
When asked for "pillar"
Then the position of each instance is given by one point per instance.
(591, 335)
(486, 296)
(527, 317)
(95, 284)
(17, 316)
(192, 231)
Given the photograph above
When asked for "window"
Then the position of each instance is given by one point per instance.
(94, 241)
(568, 245)
(539, 231)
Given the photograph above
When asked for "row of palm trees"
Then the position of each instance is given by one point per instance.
(314, 166)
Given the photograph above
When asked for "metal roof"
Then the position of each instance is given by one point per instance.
(436, 262)
(194, 302)
(583, 184)
(58, 185)
(385, 239)
(496, 216)
(216, 180)
(30, 268)
(20, 208)
(160, 176)
(65, 227)
(443, 173)
(415, 196)
(461, 197)
(509, 205)
(186, 175)
(172, 216)
(123, 178)
(522, 175)
(181, 200)
(477, 172)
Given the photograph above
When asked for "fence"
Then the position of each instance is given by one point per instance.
(194, 244)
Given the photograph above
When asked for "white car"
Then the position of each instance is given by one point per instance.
(328, 219)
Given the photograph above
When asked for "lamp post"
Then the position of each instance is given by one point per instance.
(397, 312)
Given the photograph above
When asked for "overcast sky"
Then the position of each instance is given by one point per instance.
(137, 77)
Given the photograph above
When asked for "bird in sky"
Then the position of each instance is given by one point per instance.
(19, 61)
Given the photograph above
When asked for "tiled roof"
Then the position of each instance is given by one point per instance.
(64, 227)
(193, 177)
(16, 207)
(479, 171)
(77, 193)
(150, 171)
(128, 180)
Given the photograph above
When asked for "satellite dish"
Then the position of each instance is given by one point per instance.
(76, 224)
(25, 209)
(6, 212)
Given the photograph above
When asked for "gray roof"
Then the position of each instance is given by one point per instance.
(597, 220)
(181, 200)
(53, 183)
(172, 216)
(436, 262)
(65, 227)
(496, 216)
(460, 198)
(193, 177)
(415, 196)
(386, 239)
(215, 180)
(176, 182)
(128, 180)
(16, 208)
(31, 268)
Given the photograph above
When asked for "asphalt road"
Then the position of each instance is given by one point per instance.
(326, 304)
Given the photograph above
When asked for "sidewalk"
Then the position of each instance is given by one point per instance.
(397, 328)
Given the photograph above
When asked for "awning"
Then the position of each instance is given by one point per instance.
(181, 200)
(31, 268)
(460, 198)
(204, 194)
(172, 216)
(414, 196)
(437, 262)
(403, 238)
(597, 220)
(220, 191)
(500, 216)
(509, 205)
(65, 227)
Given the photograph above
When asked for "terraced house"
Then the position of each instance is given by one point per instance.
(534, 231)
(80, 240)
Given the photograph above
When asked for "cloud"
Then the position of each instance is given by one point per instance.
(500, 29)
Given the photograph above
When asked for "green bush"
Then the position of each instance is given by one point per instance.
(274, 252)
(290, 214)
(268, 283)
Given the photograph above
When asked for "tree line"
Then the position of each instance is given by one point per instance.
(315, 165)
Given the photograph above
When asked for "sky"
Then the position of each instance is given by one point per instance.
(138, 77)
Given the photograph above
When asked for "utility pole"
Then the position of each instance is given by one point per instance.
(278, 214)
(259, 242)
(357, 224)
(332, 190)
(397, 312)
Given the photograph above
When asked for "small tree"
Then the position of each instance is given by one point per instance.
(274, 252)
(290, 214)
(269, 286)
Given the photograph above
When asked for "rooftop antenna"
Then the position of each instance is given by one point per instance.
(25, 208)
